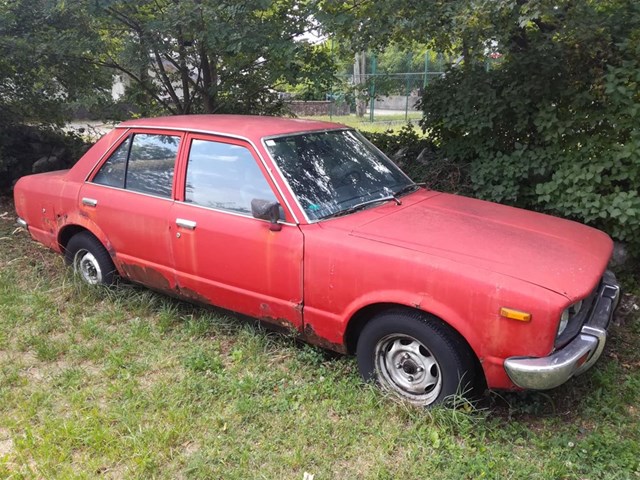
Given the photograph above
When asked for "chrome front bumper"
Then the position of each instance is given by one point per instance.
(578, 355)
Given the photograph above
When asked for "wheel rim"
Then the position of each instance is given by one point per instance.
(88, 267)
(407, 367)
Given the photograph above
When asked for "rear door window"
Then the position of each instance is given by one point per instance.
(142, 163)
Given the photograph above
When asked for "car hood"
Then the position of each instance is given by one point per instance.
(560, 255)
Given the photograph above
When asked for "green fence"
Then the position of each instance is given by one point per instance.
(377, 95)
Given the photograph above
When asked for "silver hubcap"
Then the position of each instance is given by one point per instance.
(407, 367)
(86, 265)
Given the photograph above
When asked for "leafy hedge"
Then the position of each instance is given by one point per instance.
(27, 149)
(419, 157)
(554, 126)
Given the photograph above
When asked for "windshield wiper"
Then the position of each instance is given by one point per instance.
(408, 188)
(362, 205)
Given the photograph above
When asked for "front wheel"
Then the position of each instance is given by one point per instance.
(90, 260)
(415, 356)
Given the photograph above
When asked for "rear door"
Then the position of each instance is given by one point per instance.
(222, 255)
(129, 198)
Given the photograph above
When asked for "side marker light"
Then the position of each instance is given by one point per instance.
(515, 314)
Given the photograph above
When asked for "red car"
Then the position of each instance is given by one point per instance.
(308, 226)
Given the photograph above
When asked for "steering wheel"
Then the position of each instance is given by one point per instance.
(348, 173)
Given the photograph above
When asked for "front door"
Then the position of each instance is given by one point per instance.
(224, 256)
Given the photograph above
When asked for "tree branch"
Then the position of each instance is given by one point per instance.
(116, 66)
(165, 80)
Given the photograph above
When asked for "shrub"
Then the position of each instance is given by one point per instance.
(417, 155)
(27, 149)
(554, 126)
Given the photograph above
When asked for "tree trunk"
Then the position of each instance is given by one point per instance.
(209, 81)
(359, 80)
(144, 99)
(184, 74)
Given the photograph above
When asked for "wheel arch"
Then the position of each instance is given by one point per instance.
(360, 318)
(68, 231)
(80, 224)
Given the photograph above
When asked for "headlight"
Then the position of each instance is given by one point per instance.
(564, 321)
(567, 315)
(576, 307)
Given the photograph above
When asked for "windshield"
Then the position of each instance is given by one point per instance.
(330, 172)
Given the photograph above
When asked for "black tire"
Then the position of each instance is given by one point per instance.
(90, 260)
(416, 357)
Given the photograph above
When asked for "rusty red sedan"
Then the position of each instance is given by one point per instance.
(306, 225)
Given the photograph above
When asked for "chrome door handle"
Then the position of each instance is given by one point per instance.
(89, 202)
(188, 224)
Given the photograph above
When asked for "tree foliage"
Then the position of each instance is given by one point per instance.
(553, 125)
(187, 56)
(208, 56)
(42, 65)
(184, 56)
(43, 73)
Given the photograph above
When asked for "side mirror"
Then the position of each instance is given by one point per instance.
(267, 210)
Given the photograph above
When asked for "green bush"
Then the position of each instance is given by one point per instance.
(417, 155)
(27, 149)
(554, 125)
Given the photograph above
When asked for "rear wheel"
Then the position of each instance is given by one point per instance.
(415, 356)
(90, 260)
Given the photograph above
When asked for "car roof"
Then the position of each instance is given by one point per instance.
(247, 126)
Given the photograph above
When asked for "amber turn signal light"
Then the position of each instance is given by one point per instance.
(515, 314)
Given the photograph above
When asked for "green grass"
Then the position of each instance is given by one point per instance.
(127, 383)
(381, 123)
